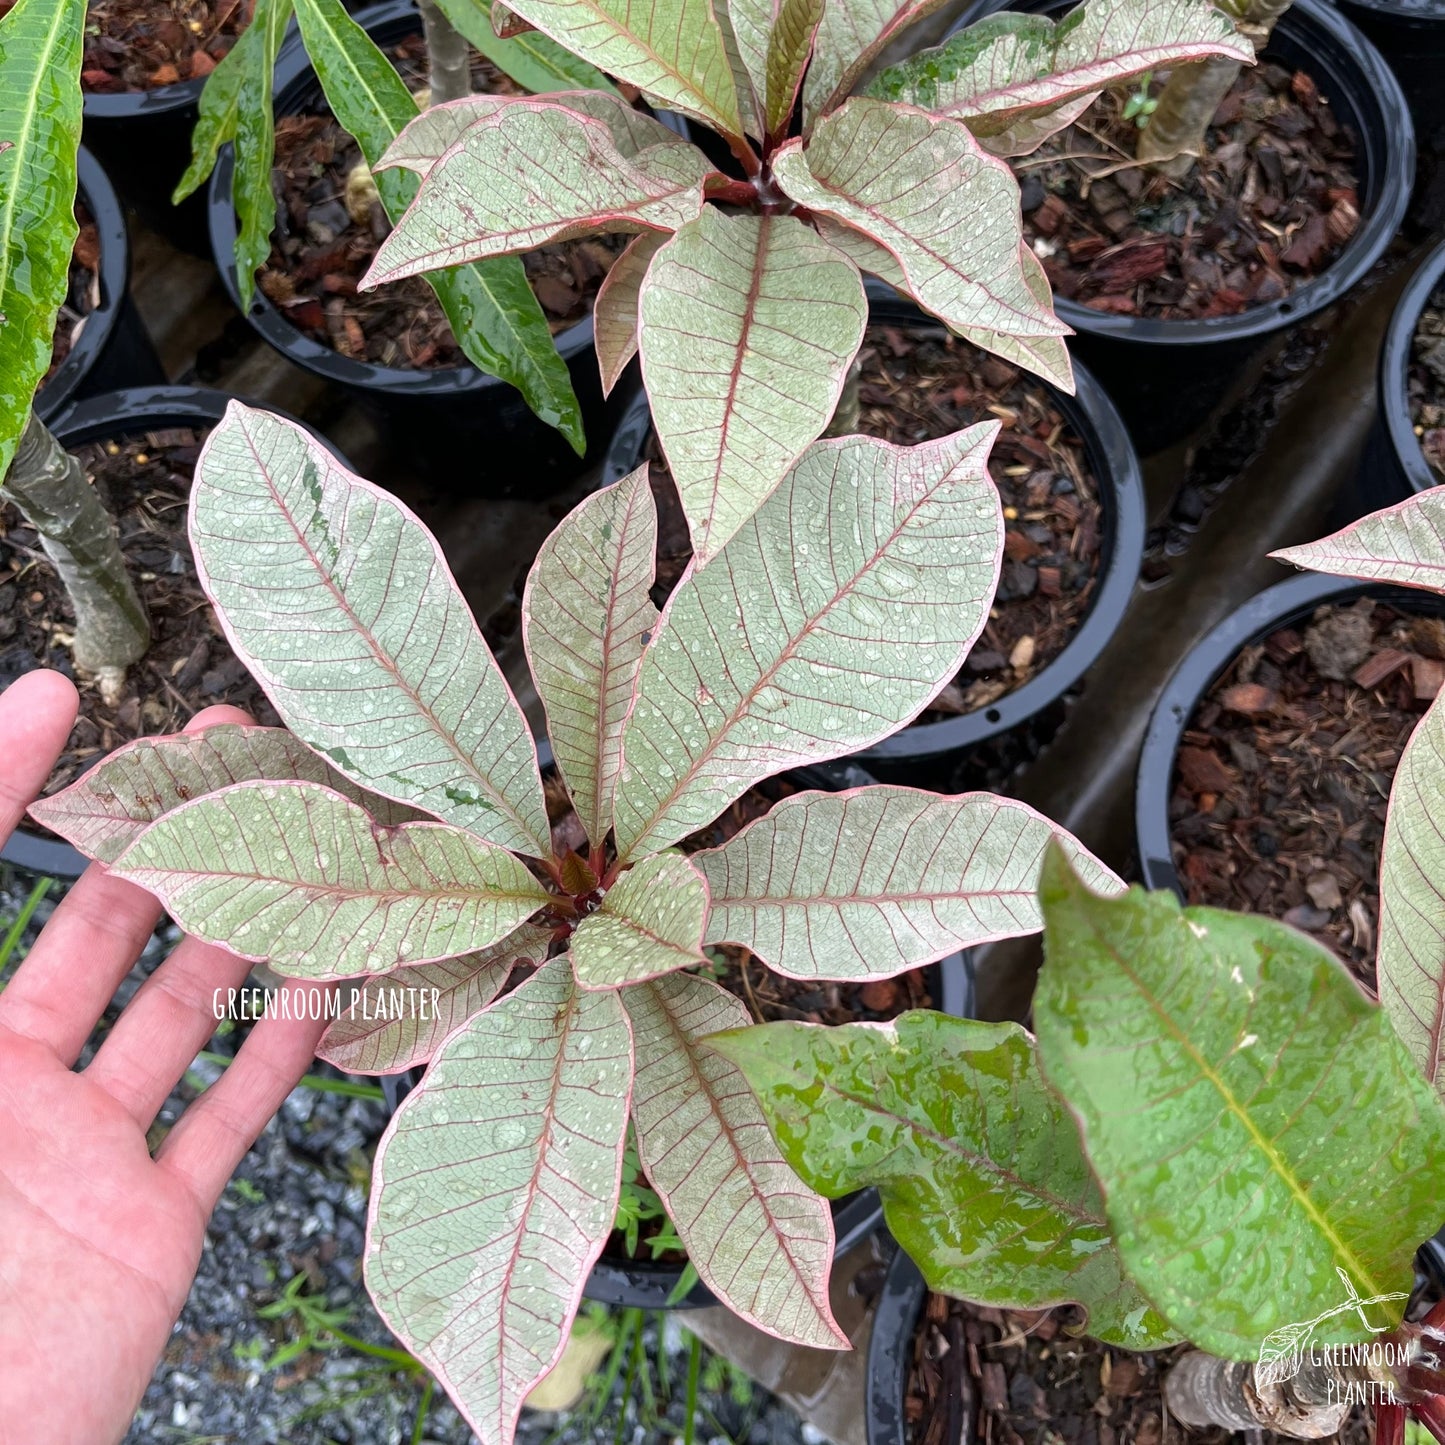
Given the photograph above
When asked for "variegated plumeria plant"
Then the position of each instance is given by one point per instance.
(1215, 1135)
(395, 831)
(744, 297)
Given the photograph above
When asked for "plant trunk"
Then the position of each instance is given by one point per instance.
(1201, 1390)
(447, 56)
(51, 491)
(846, 413)
(1175, 134)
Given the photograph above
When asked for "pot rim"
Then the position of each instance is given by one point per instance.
(885, 1379)
(1352, 64)
(1394, 370)
(293, 76)
(94, 189)
(1278, 606)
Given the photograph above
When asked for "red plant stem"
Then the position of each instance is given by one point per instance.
(739, 146)
(1431, 1413)
(1389, 1424)
(735, 193)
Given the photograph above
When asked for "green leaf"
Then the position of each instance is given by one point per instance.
(1253, 1119)
(672, 49)
(1045, 356)
(1404, 544)
(341, 604)
(758, 1239)
(614, 312)
(586, 614)
(863, 884)
(495, 1189)
(534, 61)
(491, 308)
(775, 40)
(650, 923)
(302, 878)
(747, 326)
(978, 1164)
(532, 173)
(1411, 961)
(40, 47)
(255, 144)
(107, 808)
(851, 37)
(832, 618)
(1006, 66)
(216, 123)
(393, 1023)
(923, 189)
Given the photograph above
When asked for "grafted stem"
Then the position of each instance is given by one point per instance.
(1175, 134)
(51, 490)
(1311, 1404)
(447, 55)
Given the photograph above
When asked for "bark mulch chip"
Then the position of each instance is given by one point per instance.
(1283, 775)
(1267, 209)
(1425, 385)
(133, 45)
(146, 482)
(330, 224)
(1018, 1377)
(917, 384)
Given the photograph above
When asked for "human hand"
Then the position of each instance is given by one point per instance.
(99, 1241)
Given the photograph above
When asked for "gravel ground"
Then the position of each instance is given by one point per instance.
(250, 1365)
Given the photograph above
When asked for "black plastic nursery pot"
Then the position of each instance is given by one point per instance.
(456, 415)
(144, 138)
(112, 348)
(116, 414)
(1286, 604)
(1167, 377)
(654, 1284)
(1410, 34)
(1394, 466)
(885, 1379)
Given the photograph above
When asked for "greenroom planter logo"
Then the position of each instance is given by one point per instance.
(1285, 1351)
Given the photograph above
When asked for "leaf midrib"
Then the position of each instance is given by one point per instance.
(27, 137)
(985, 1163)
(765, 678)
(388, 665)
(1264, 1145)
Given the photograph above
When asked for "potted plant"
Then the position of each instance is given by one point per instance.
(1216, 1136)
(405, 744)
(117, 606)
(747, 320)
(1172, 284)
(472, 370)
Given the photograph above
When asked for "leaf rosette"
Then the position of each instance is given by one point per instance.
(393, 834)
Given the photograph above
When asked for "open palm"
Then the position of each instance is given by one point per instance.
(99, 1241)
